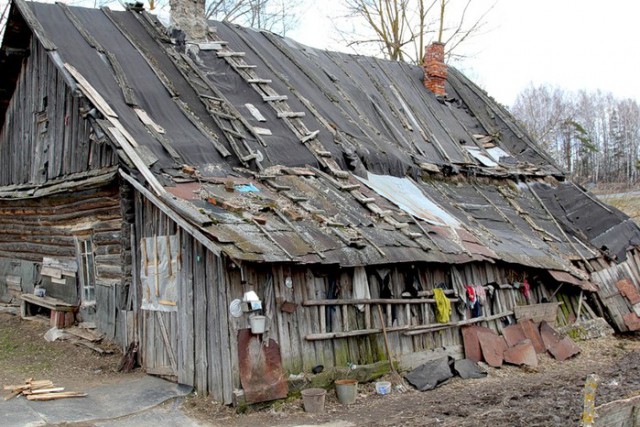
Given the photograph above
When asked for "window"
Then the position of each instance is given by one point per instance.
(86, 270)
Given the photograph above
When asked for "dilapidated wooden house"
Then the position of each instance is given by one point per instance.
(150, 184)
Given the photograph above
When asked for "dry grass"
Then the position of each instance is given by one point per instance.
(628, 203)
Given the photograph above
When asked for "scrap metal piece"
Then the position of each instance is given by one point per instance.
(522, 353)
(493, 347)
(261, 372)
(514, 334)
(532, 332)
(472, 350)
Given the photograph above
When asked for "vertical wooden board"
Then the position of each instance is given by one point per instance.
(292, 319)
(234, 290)
(282, 320)
(319, 287)
(340, 347)
(214, 330)
(185, 310)
(226, 350)
(309, 321)
(200, 318)
(406, 343)
(151, 339)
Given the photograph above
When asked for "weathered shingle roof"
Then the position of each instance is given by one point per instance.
(281, 185)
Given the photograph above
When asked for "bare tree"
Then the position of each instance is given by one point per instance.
(593, 135)
(400, 29)
(278, 16)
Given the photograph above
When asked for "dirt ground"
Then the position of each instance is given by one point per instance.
(550, 395)
(24, 353)
(511, 396)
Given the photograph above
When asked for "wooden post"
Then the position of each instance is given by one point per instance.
(589, 398)
(579, 307)
(386, 340)
(155, 265)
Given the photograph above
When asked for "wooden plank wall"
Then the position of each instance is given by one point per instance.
(44, 135)
(616, 305)
(198, 335)
(301, 354)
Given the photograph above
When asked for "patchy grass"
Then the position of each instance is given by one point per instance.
(24, 353)
(628, 203)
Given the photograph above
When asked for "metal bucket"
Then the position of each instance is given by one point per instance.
(313, 399)
(346, 391)
(258, 324)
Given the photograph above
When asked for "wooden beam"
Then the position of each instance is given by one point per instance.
(34, 24)
(137, 161)
(197, 234)
(372, 301)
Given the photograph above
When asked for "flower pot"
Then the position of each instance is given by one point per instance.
(313, 399)
(346, 391)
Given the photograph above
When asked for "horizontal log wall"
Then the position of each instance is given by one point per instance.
(31, 229)
(44, 135)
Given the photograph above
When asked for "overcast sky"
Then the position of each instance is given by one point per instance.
(575, 44)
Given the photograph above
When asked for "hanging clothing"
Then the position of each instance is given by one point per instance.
(443, 306)
(476, 310)
(526, 289)
(471, 296)
(360, 286)
(481, 295)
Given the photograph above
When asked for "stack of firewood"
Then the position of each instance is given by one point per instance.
(39, 390)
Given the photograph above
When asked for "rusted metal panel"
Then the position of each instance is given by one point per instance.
(632, 321)
(493, 347)
(186, 191)
(532, 332)
(261, 372)
(472, 350)
(522, 353)
(628, 290)
(514, 334)
(564, 277)
(560, 347)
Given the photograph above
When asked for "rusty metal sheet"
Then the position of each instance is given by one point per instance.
(472, 349)
(186, 191)
(261, 372)
(632, 321)
(522, 353)
(628, 290)
(493, 347)
(532, 332)
(563, 276)
(513, 334)
(561, 348)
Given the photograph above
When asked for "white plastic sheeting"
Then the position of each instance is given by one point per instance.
(159, 272)
(407, 196)
(360, 286)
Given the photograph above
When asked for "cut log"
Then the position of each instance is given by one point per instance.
(54, 396)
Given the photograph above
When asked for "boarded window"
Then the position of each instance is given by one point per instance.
(86, 270)
(159, 272)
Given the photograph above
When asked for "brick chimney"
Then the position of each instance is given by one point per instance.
(189, 16)
(435, 70)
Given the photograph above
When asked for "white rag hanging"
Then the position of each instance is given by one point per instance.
(360, 286)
